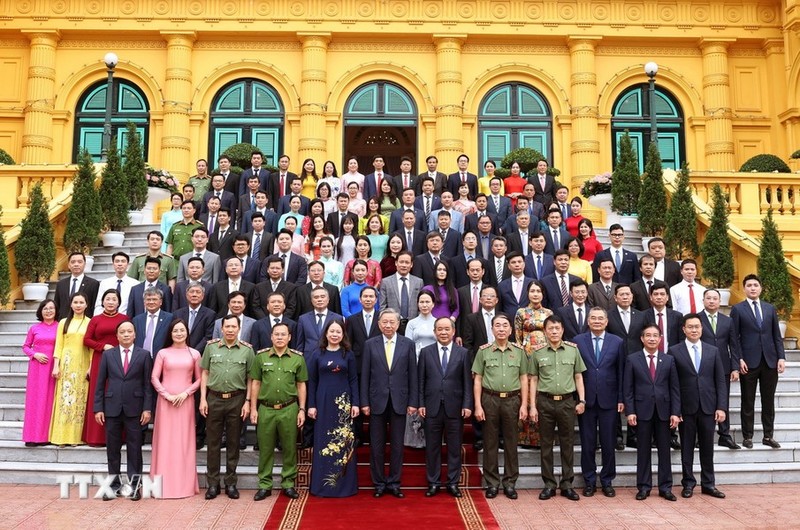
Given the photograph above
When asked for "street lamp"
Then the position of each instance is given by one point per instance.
(111, 61)
(651, 69)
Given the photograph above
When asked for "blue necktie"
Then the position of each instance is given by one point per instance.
(444, 359)
(696, 358)
(404, 298)
(757, 309)
(597, 349)
(539, 267)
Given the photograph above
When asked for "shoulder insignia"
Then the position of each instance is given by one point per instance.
(539, 347)
(214, 341)
(262, 350)
(485, 346)
(570, 344)
(294, 352)
(246, 343)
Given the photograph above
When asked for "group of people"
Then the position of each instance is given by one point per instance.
(303, 304)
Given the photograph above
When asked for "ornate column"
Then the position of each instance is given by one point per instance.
(717, 103)
(37, 137)
(449, 93)
(585, 146)
(313, 94)
(175, 144)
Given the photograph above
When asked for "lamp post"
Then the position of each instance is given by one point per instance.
(111, 61)
(651, 69)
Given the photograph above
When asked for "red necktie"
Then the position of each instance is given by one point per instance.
(405, 182)
(692, 306)
(652, 366)
(661, 327)
(283, 185)
(127, 360)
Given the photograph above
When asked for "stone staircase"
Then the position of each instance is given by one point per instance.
(41, 465)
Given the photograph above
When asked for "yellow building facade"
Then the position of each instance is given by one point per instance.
(326, 79)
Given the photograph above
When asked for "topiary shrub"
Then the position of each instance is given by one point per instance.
(527, 159)
(114, 199)
(134, 169)
(765, 163)
(240, 155)
(35, 251)
(653, 198)
(626, 183)
(6, 159)
(84, 217)
(5, 268)
(796, 155)
(716, 247)
(775, 280)
(680, 233)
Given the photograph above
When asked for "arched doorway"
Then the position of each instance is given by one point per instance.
(380, 118)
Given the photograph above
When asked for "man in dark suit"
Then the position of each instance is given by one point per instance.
(455, 180)
(255, 169)
(316, 276)
(666, 270)
(261, 332)
(427, 202)
(558, 281)
(513, 291)
(471, 220)
(703, 403)
(360, 327)
(280, 181)
(389, 392)
(295, 267)
(755, 327)
(152, 325)
(576, 313)
(625, 261)
(604, 357)
(270, 217)
(653, 404)
(668, 321)
(554, 234)
(311, 324)
(437, 178)
(451, 239)
(543, 183)
(718, 330)
(136, 302)
(76, 281)
(335, 219)
(391, 291)
(226, 199)
(485, 238)
(641, 287)
(373, 180)
(537, 263)
(601, 292)
(469, 293)
(247, 200)
(498, 204)
(424, 263)
(250, 266)
(201, 324)
(220, 241)
(409, 232)
(459, 264)
(194, 271)
(519, 239)
(123, 401)
(405, 180)
(218, 297)
(273, 284)
(284, 205)
(396, 221)
(498, 264)
(231, 179)
(259, 237)
(445, 399)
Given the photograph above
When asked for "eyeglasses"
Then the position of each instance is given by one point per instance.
(616, 235)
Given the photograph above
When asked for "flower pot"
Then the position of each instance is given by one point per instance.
(135, 217)
(35, 291)
(601, 200)
(154, 196)
(113, 239)
(790, 343)
(724, 296)
(89, 262)
(782, 326)
(630, 223)
(646, 243)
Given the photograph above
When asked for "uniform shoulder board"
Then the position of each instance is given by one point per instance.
(213, 341)
(539, 347)
(569, 343)
(246, 343)
(262, 350)
(485, 346)
(294, 352)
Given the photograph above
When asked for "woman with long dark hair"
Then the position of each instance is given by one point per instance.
(309, 178)
(586, 235)
(330, 177)
(445, 296)
(364, 252)
(40, 388)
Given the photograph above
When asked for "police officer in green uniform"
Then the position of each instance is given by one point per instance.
(225, 401)
(556, 374)
(201, 181)
(278, 409)
(501, 401)
(179, 239)
(169, 266)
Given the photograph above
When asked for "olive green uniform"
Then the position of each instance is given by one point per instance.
(501, 401)
(277, 412)
(555, 401)
(169, 268)
(201, 185)
(228, 369)
(180, 237)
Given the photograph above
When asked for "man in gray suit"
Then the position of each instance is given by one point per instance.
(400, 290)
(211, 262)
(236, 306)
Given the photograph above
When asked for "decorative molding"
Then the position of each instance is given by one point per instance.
(517, 49)
(381, 47)
(248, 45)
(746, 52)
(154, 44)
(651, 51)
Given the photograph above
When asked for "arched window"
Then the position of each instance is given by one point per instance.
(632, 112)
(511, 116)
(128, 104)
(248, 111)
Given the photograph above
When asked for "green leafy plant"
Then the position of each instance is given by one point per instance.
(772, 269)
(6, 159)
(35, 251)
(796, 155)
(134, 169)
(597, 185)
(626, 182)
(653, 198)
(527, 158)
(240, 155)
(765, 163)
(114, 199)
(84, 217)
(716, 247)
(680, 233)
(5, 269)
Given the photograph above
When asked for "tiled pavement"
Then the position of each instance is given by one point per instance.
(757, 506)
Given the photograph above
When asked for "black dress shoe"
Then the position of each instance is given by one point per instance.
(212, 492)
(748, 443)
(137, 494)
(291, 493)
(588, 491)
(714, 492)
(242, 443)
(255, 446)
(642, 495)
(620, 445)
(378, 493)
(609, 491)
(687, 493)
(200, 443)
(453, 490)
(491, 492)
(262, 494)
(547, 493)
(729, 443)
(510, 492)
(571, 494)
(478, 445)
(667, 495)
(397, 493)
(432, 490)
(107, 497)
(770, 442)
(232, 492)
(675, 444)
(502, 444)
(632, 442)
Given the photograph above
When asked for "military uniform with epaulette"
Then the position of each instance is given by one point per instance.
(169, 268)
(278, 408)
(180, 237)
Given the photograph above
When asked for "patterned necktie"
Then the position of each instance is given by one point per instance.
(320, 318)
(404, 300)
(564, 292)
(257, 246)
(580, 319)
(757, 310)
(74, 286)
(556, 242)
(608, 291)
(474, 298)
(499, 270)
(192, 316)
(713, 323)
(597, 349)
(652, 366)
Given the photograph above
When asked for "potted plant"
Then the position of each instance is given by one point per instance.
(716, 249)
(5, 269)
(765, 163)
(598, 190)
(84, 217)
(134, 171)
(653, 199)
(160, 185)
(527, 158)
(240, 156)
(6, 159)
(626, 181)
(775, 280)
(114, 200)
(35, 251)
(680, 232)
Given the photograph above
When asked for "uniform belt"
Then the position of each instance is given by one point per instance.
(277, 406)
(503, 395)
(556, 397)
(225, 395)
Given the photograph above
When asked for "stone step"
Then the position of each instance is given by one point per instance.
(12, 381)
(12, 412)
(14, 364)
(12, 396)
(14, 326)
(782, 400)
(19, 315)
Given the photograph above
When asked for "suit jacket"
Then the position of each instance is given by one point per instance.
(458, 268)
(283, 205)
(232, 184)
(118, 392)
(641, 296)
(217, 296)
(398, 183)
(245, 332)
(390, 294)
(179, 298)
(252, 266)
(632, 338)
(308, 334)
(212, 269)
(297, 269)
(274, 192)
(724, 339)
(552, 287)
(454, 181)
(379, 381)
(465, 305)
(456, 220)
(419, 204)
(203, 326)
(547, 266)
(479, 251)
(452, 244)
(756, 342)
(263, 178)
(370, 189)
(418, 240)
(508, 303)
(223, 247)
(396, 220)
(228, 200)
(267, 243)
(543, 195)
(674, 328)
(423, 268)
(451, 389)
(334, 225)
(359, 334)
(160, 333)
(504, 212)
(647, 398)
(270, 222)
(440, 183)
(549, 247)
(303, 297)
(473, 333)
(672, 272)
(260, 295)
(571, 328)
(89, 287)
(471, 222)
(702, 390)
(629, 271)
(602, 379)
(515, 242)
(491, 276)
(136, 299)
(598, 297)
(261, 333)
(242, 208)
